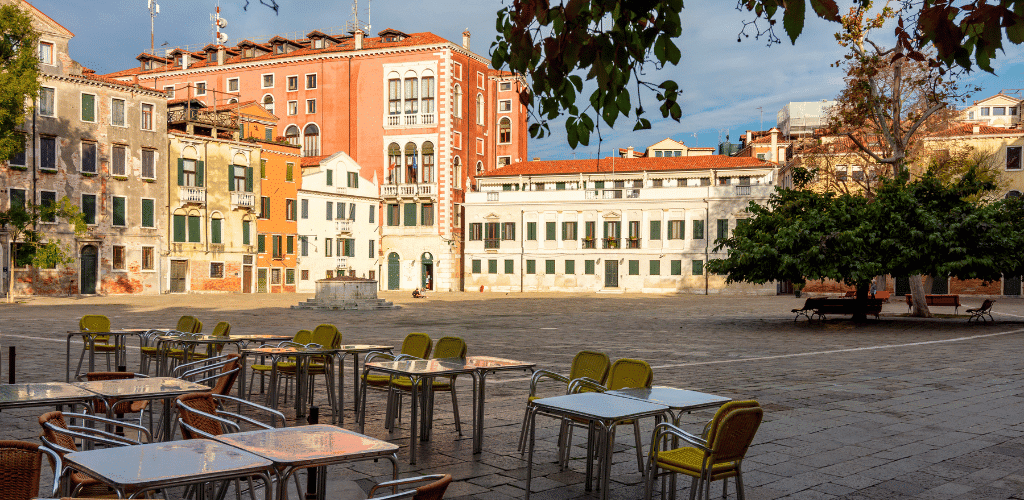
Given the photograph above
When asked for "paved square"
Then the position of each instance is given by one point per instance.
(893, 409)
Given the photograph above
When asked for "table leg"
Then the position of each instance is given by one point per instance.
(529, 454)
(478, 412)
(166, 419)
(301, 384)
(361, 414)
(606, 469)
(355, 379)
(339, 412)
(590, 452)
(67, 360)
(241, 383)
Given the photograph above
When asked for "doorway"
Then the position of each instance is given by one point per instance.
(393, 271)
(427, 271)
(89, 269)
(247, 279)
(179, 272)
(611, 273)
(261, 280)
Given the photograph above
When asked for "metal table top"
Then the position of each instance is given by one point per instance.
(446, 366)
(599, 406)
(308, 445)
(154, 387)
(38, 394)
(148, 466)
(676, 399)
(120, 331)
(257, 337)
(289, 350)
(490, 363)
(357, 348)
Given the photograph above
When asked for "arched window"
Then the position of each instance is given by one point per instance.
(428, 162)
(394, 162)
(232, 101)
(479, 167)
(268, 102)
(410, 162)
(311, 140)
(427, 94)
(412, 103)
(457, 101)
(291, 134)
(479, 109)
(394, 94)
(505, 130)
(1013, 194)
(457, 173)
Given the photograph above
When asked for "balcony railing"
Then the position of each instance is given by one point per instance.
(589, 243)
(410, 120)
(492, 243)
(404, 190)
(343, 226)
(611, 243)
(742, 190)
(342, 262)
(633, 243)
(192, 194)
(243, 200)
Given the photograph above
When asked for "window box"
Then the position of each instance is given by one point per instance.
(88, 174)
(611, 242)
(48, 170)
(18, 167)
(120, 178)
(149, 180)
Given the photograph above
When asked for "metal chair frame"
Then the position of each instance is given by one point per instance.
(55, 462)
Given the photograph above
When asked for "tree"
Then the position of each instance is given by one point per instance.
(839, 166)
(29, 246)
(19, 76)
(614, 42)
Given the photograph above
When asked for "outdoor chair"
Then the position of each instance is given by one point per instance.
(716, 455)
(186, 324)
(302, 338)
(981, 312)
(223, 369)
(124, 407)
(223, 329)
(20, 466)
(100, 343)
(433, 491)
(590, 364)
(446, 347)
(415, 346)
(326, 336)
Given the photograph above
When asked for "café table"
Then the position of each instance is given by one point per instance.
(602, 411)
(354, 350)
(189, 342)
(136, 389)
(42, 394)
(134, 470)
(120, 353)
(302, 356)
(678, 401)
(423, 371)
(291, 449)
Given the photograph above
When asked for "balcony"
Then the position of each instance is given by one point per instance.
(589, 243)
(243, 200)
(408, 190)
(342, 262)
(610, 242)
(742, 190)
(343, 226)
(633, 243)
(192, 194)
(409, 120)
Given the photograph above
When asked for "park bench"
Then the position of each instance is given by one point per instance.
(808, 309)
(881, 295)
(981, 312)
(951, 300)
(821, 306)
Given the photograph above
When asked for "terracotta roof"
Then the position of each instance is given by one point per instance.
(626, 165)
(968, 129)
(766, 140)
(637, 154)
(312, 161)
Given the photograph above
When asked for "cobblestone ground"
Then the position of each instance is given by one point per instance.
(891, 409)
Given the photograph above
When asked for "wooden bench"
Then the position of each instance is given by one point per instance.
(821, 306)
(981, 312)
(883, 295)
(808, 309)
(951, 300)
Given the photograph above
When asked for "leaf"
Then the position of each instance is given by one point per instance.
(793, 19)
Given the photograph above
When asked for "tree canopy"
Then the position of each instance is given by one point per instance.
(19, 76)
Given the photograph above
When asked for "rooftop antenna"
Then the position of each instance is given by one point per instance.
(154, 9)
(761, 126)
(355, 23)
(218, 23)
(696, 141)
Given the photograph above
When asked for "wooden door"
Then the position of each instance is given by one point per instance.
(393, 271)
(89, 269)
(611, 273)
(179, 273)
(247, 279)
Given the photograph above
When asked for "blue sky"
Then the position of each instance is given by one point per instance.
(725, 84)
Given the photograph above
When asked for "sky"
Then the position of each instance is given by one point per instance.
(728, 87)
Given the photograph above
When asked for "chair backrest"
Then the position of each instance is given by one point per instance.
(629, 373)
(223, 329)
(434, 490)
(450, 347)
(187, 324)
(725, 410)
(418, 345)
(590, 364)
(204, 402)
(987, 304)
(56, 418)
(227, 381)
(303, 337)
(734, 434)
(327, 336)
(94, 323)
(20, 465)
(100, 376)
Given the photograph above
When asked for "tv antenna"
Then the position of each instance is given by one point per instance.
(761, 126)
(154, 9)
(356, 23)
(219, 22)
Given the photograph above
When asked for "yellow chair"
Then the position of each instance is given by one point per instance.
(446, 347)
(223, 329)
(328, 337)
(415, 345)
(100, 343)
(589, 364)
(717, 456)
(186, 324)
(302, 337)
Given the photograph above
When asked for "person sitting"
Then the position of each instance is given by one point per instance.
(416, 294)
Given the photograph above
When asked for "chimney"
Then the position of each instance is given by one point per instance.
(775, 144)
(536, 158)
(184, 60)
(359, 39)
(629, 152)
(748, 139)
(977, 129)
(465, 39)
(221, 54)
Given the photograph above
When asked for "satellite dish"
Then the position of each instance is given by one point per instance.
(221, 22)
(222, 37)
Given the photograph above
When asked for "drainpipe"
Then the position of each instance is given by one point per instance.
(522, 248)
(206, 186)
(707, 237)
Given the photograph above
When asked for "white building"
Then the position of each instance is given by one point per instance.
(999, 110)
(623, 224)
(797, 119)
(338, 227)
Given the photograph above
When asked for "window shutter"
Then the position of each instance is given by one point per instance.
(215, 225)
(231, 178)
(276, 242)
(410, 214)
(352, 211)
(330, 210)
(305, 209)
(391, 216)
(330, 177)
(199, 173)
(350, 248)
(118, 209)
(193, 229)
(290, 244)
(248, 179)
(288, 176)
(261, 243)
(179, 228)
(655, 230)
(147, 213)
(246, 239)
(549, 230)
(509, 266)
(181, 171)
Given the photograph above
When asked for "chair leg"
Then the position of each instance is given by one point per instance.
(455, 409)
(693, 488)
(639, 446)
(739, 484)
(80, 359)
(522, 432)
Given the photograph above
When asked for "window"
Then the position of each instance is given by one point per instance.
(189, 170)
(264, 207)
(293, 108)
(427, 172)
(148, 212)
(47, 199)
(46, 53)
(310, 106)
(88, 108)
(457, 101)
(479, 80)
(505, 105)
(373, 249)
(118, 159)
(289, 247)
(330, 210)
(311, 81)
(268, 103)
(479, 109)
(268, 80)
(146, 121)
(17, 198)
(289, 172)
(200, 88)
(275, 276)
(531, 231)
(117, 112)
(427, 214)
(504, 161)
(216, 226)
(305, 209)
(46, 101)
(353, 179)
(569, 230)
(394, 96)
(505, 86)
(372, 211)
(239, 179)
(634, 268)
(549, 231)
(476, 266)
(531, 266)
(118, 211)
(341, 211)
(655, 233)
(48, 153)
(305, 275)
(410, 214)
(147, 259)
(492, 235)
(329, 177)
(233, 84)
(612, 233)
(194, 223)
(570, 267)
(261, 243)
(289, 276)
(289, 209)
(427, 94)
(492, 266)
(246, 233)
(276, 247)
(723, 228)
(392, 214)
(476, 231)
(328, 247)
(588, 266)
(505, 130)
(311, 140)
(293, 83)
(510, 266)
(655, 268)
(291, 134)
(457, 173)
(411, 96)
(508, 231)
(999, 111)
(89, 208)
(169, 89)
(984, 111)
(117, 260)
(698, 230)
(1013, 158)
(698, 267)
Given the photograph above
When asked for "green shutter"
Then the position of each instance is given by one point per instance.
(350, 247)
(410, 214)
(88, 108)
(492, 266)
(276, 243)
(531, 267)
(634, 268)
(261, 243)
(698, 267)
(263, 169)
(391, 214)
(89, 208)
(179, 228)
(215, 225)
(231, 178)
(531, 231)
(476, 266)
(655, 230)
(655, 267)
(330, 177)
(570, 267)
(118, 211)
(509, 266)
(148, 209)
(549, 231)
(549, 266)
(246, 239)
(181, 171)
(723, 228)
(698, 230)
(676, 267)
(248, 179)
(199, 173)
(194, 224)
(288, 172)
(588, 266)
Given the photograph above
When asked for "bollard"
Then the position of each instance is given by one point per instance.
(311, 493)
(10, 364)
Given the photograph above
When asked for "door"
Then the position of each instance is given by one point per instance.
(393, 271)
(261, 280)
(89, 269)
(427, 271)
(247, 279)
(179, 271)
(902, 286)
(1011, 285)
(611, 273)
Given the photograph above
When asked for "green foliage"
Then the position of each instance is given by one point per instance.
(19, 75)
(31, 247)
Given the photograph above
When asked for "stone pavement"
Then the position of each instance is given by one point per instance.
(892, 409)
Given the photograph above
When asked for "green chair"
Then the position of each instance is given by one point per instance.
(328, 337)
(590, 364)
(302, 337)
(415, 345)
(446, 347)
(100, 343)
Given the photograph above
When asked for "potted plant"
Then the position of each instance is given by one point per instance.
(797, 287)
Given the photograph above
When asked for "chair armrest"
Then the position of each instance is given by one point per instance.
(274, 413)
(585, 383)
(87, 434)
(58, 467)
(372, 355)
(110, 421)
(538, 375)
(397, 496)
(404, 357)
(185, 408)
(665, 428)
(408, 480)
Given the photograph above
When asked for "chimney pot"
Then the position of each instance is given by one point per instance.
(359, 39)
(465, 39)
(977, 129)
(221, 55)
(185, 60)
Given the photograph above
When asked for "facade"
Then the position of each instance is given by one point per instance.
(420, 115)
(101, 144)
(1000, 110)
(644, 225)
(338, 228)
(767, 145)
(1004, 145)
(666, 147)
(801, 119)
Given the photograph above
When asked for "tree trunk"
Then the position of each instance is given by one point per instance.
(917, 293)
(862, 302)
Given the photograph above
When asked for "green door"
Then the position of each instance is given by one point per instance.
(611, 273)
(261, 281)
(90, 265)
(393, 271)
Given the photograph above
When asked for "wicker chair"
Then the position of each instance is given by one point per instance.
(20, 467)
(433, 491)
